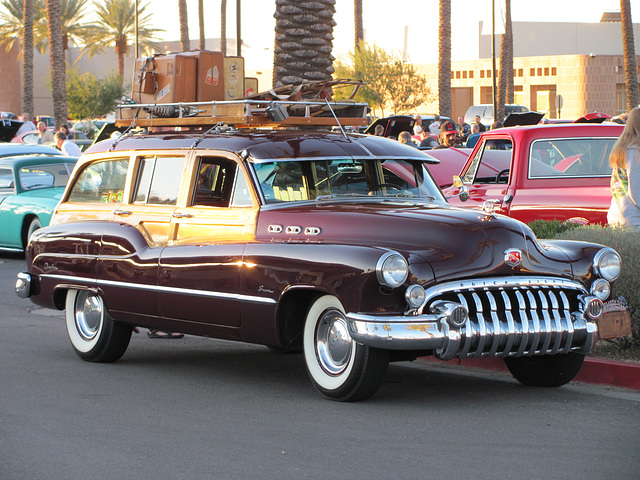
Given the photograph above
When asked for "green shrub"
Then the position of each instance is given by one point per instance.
(550, 228)
(626, 242)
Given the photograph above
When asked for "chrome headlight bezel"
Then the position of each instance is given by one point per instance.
(392, 269)
(415, 296)
(607, 264)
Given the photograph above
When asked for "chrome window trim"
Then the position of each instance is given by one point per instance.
(161, 289)
(562, 177)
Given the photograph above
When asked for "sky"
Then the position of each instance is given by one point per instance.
(384, 26)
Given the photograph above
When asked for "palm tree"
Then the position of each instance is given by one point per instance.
(304, 41)
(223, 27)
(201, 23)
(628, 48)
(27, 59)
(116, 27)
(185, 45)
(359, 29)
(11, 24)
(56, 54)
(505, 85)
(75, 29)
(444, 59)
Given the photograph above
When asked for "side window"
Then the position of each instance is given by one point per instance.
(214, 183)
(158, 181)
(575, 157)
(241, 193)
(491, 164)
(102, 181)
(6, 180)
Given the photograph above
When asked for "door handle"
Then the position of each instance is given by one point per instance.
(182, 215)
(122, 213)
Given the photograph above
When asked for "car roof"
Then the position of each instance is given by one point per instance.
(27, 160)
(559, 130)
(13, 149)
(267, 144)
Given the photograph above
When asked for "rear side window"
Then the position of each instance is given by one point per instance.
(7, 183)
(570, 157)
(214, 183)
(159, 180)
(102, 181)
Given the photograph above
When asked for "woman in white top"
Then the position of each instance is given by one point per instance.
(625, 178)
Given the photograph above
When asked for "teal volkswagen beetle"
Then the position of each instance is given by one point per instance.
(30, 188)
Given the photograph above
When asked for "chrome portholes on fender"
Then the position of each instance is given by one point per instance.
(339, 367)
(95, 337)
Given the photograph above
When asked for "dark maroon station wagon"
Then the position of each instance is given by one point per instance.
(337, 245)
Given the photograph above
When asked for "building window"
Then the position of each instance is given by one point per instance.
(532, 72)
(470, 73)
(546, 71)
(521, 72)
(539, 71)
(464, 74)
(554, 71)
(458, 74)
(621, 98)
(481, 73)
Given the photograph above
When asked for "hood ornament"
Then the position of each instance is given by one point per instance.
(513, 257)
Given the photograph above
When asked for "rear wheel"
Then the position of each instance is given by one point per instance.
(339, 367)
(94, 335)
(546, 370)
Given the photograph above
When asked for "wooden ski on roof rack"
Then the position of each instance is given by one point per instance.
(308, 104)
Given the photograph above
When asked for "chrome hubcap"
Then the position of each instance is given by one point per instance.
(88, 314)
(333, 342)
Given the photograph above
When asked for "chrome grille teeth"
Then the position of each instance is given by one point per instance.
(519, 321)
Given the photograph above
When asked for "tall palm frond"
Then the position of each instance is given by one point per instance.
(115, 27)
(75, 28)
(11, 23)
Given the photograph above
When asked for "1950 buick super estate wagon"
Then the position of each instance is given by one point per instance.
(339, 245)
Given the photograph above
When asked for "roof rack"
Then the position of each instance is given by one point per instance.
(281, 107)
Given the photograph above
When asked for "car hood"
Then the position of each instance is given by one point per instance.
(456, 242)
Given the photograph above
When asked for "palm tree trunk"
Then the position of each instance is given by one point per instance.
(185, 45)
(58, 68)
(506, 65)
(444, 59)
(304, 41)
(628, 48)
(223, 27)
(201, 23)
(359, 29)
(27, 58)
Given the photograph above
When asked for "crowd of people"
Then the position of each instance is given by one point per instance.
(47, 137)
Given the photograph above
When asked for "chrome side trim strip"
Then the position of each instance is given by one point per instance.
(161, 289)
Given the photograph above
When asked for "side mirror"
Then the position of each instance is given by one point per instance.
(463, 194)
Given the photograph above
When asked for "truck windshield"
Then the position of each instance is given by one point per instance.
(300, 180)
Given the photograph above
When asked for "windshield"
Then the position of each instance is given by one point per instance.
(299, 180)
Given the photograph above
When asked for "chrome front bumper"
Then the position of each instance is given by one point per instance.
(475, 338)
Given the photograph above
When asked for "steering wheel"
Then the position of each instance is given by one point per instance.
(384, 185)
(501, 174)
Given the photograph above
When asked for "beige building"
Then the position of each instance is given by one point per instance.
(578, 66)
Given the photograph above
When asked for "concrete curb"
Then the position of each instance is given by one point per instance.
(594, 370)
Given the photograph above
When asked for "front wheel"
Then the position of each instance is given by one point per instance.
(34, 225)
(95, 337)
(339, 367)
(546, 370)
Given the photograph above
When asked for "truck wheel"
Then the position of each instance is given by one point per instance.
(94, 335)
(340, 368)
(546, 370)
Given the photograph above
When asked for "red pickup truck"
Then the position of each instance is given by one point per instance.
(540, 172)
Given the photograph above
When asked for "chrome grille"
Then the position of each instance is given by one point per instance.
(517, 317)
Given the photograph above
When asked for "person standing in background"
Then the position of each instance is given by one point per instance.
(45, 137)
(625, 176)
(27, 126)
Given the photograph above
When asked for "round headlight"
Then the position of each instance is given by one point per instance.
(601, 289)
(392, 269)
(415, 296)
(607, 264)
